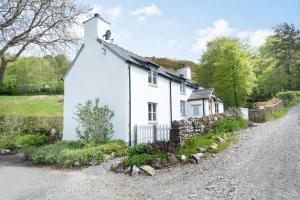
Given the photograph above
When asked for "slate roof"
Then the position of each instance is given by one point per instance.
(202, 94)
(145, 63)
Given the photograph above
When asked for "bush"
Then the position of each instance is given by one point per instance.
(79, 157)
(139, 149)
(139, 160)
(94, 120)
(226, 125)
(7, 142)
(30, 140)
(291, 96)
(74, 153)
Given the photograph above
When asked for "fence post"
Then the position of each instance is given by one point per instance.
(135, 134)
(154, 132)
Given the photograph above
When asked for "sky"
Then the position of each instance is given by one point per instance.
(180, 29)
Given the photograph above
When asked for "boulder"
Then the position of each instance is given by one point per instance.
(192, 161)
(127, 170)
(220, 140)
(93, 163)
(202, 149)
(155, 163)
(5, 151)
(148, 169)
(183, 158)
(120, 169)
(114, 166)
(135, 171)
(171, 159)
(77, 164)
(107, 157)
(197, 157)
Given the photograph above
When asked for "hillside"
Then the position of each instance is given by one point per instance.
(173, 64)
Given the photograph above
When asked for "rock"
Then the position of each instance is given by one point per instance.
(112, 154)
(135, 171)
(120, 169)
(148, 169)
(197, 157)
(114, 166)
(127, 170)
(220, 140)
(155, 163)
(183, 158)
(5, 151)
(202, 149)
(107, 157)
(77, 164)
(93, 163)
(192, 161)
(214, 146)
(171, 159)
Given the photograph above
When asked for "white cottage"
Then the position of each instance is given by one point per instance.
(139, 91)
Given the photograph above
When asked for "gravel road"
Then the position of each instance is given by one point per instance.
(263, 164)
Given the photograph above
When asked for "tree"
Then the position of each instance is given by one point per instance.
(94, 122)
(43, 24)
(226, 66)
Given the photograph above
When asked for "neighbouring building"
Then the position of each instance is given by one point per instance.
(139, 91)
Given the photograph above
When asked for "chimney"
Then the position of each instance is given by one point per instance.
(185, 72)
(95, 28)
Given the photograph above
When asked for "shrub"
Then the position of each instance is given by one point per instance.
(30, 140)
(117, 148)
(68, 158)
(7, 142)
(140, 159)
(226, 125)
(94, 122)
(139, 149)
(291, 96)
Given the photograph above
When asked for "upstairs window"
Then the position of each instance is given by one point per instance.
(182, 108)
(152, 111)
(152, 77)
(182, 88)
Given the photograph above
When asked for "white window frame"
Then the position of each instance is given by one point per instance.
(152, 112)
(194, 107)
(182, 88)
(152, 77)
(182, 108)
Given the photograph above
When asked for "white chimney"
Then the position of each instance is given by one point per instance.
(95, 28)
(185, 71)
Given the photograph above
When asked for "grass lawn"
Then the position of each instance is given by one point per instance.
(32, 105)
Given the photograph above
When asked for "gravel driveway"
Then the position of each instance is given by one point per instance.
(264, 164)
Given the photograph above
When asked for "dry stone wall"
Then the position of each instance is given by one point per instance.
(183, 129)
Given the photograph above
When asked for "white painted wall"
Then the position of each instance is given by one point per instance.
(221, 107)
(95, 75)
(186, 72)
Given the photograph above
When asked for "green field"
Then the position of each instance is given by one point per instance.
(31, 105)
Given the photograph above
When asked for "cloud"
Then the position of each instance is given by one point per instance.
(143, 12)
(221, 28)
(114, 12)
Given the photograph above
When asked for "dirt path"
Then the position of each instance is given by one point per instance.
(264, 164)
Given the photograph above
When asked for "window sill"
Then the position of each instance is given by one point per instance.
(153, 85)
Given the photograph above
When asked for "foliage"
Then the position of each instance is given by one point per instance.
(7, 142)
(226, 125)
(280, 112)
(94, 120)
(139, 159)
(74, 153)
(291, 96)
(139, 149)
(35, 75)
(30, 140)
(277, 63)
(227, 67)
(51, 106)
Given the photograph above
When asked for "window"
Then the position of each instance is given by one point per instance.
(152, 111)
(152, 77)
(182, 108)
(182, 88)
(196, 110)
(216, 108)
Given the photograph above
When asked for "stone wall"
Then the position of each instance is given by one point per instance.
(183, 129)
(260, 115)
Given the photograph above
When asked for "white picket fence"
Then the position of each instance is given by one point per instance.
(151, 133)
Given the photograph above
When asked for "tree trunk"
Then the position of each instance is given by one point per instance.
(2, 70)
